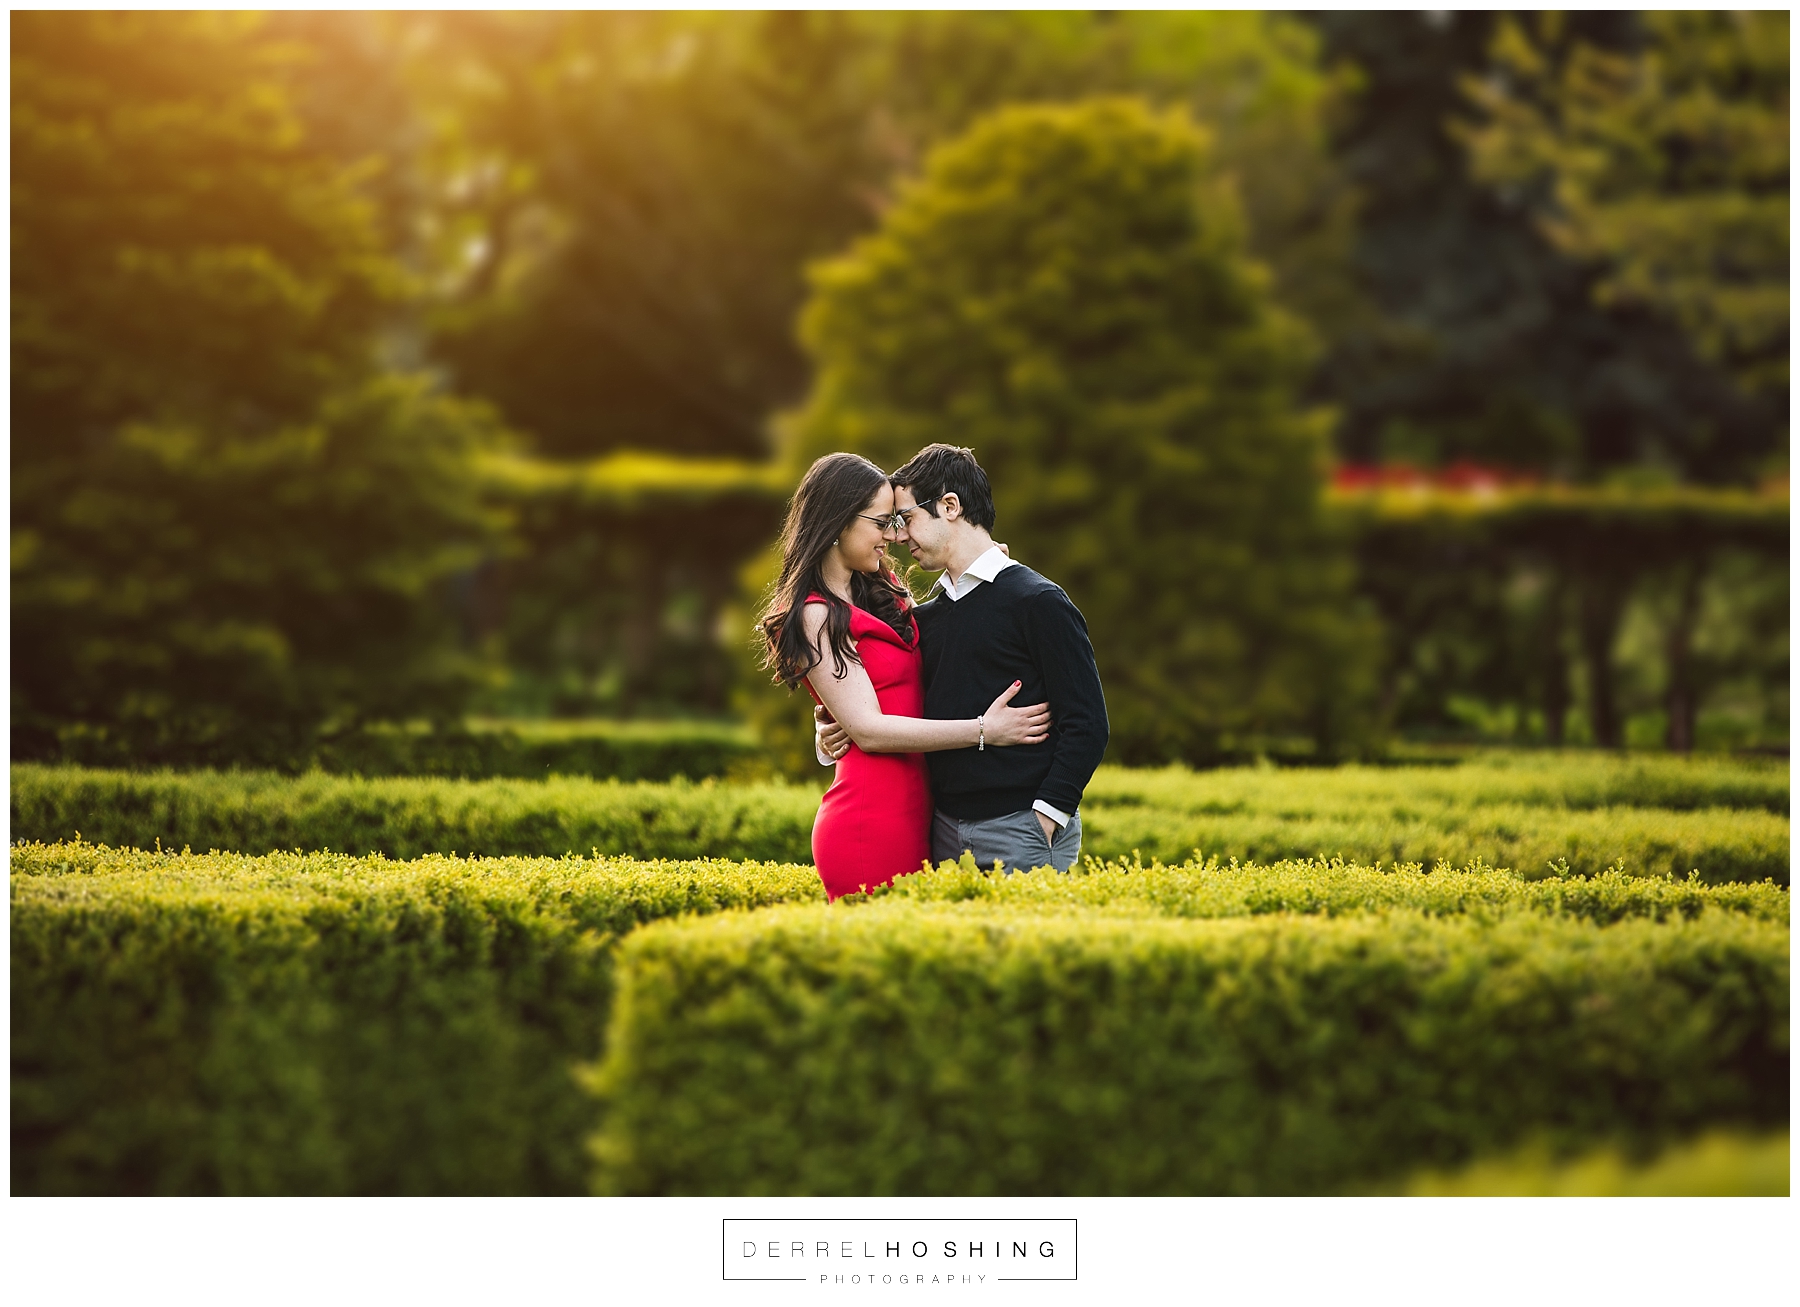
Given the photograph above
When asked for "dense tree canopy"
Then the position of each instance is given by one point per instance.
(1066, 291)
(1666, 164)
(643, 191)
(1491, 341)
(228, 532)
(178, 249)
(1555, 243)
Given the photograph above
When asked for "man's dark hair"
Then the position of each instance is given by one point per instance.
(938, 470)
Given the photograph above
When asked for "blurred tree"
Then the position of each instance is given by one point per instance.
(1491, 342)
(1254, 79)
(1666, 165)
(227, 531)
(1067, 292)
(641, 193)
(345, 71)
(638, 194)
(177, 247)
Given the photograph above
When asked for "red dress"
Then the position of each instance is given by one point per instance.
(874, 822)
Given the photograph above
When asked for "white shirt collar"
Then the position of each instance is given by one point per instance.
(985, 568)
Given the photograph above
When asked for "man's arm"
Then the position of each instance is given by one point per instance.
(1065, 656)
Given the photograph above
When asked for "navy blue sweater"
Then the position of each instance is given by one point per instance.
(1019, 626)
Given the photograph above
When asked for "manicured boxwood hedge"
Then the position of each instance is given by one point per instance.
(319, 1023)
(1722, 844)
(1561, 778)
(904, 1048)
(628, 751)
(520, 749)
(292, 1023)
(259, 812)
(1336, 889)
(1167, 815)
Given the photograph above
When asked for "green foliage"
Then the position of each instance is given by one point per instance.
(1563, 779)
(1719, 1164)
(480, 749)
(1335, 889)
(1067, 292)
(257, 812)
(229, 531)
(1719, 844)
(626, 751)
(1488, 340)
(904, 1048)
(181, 251)
(1500, 596)
(610, 598)
(1539, 821)
(197, 597)
(1665, 166)
(1583, 813)
(321, 1024)
(646, 189)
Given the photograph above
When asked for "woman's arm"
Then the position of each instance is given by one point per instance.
(853, 703)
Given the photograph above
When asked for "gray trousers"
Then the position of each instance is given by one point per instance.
(1016, 841)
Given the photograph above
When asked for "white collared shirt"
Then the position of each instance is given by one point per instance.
(985, 568)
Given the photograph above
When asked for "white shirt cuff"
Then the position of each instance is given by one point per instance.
(825, 759)
(1056, 815)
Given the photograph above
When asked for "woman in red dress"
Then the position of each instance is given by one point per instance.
(875, 821)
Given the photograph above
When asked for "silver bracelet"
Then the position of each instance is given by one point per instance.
(981, 734)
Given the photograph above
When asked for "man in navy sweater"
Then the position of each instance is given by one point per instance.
(989, 621)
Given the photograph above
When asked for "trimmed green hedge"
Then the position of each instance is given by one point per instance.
(1337, 889)
(258, 812)
(1564, 778)
(319, 1023)
(528, 750)
(324, 1023)
(1360, 815)
(627, 751)
(899, 1048)
(1722, 844)
(188, 1023)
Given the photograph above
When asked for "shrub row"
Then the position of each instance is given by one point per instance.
(901, 1048)
(649, 751)
(1336, 889)
(1560, 779)
(1722, 844)
(319, 1023)
(322, 1023)
(259, 812)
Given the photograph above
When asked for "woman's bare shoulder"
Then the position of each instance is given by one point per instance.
(813, 615)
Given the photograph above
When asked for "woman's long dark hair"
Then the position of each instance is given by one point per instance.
(834, 490)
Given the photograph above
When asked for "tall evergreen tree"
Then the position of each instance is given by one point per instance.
(1067, 292)
(1665, 165)
(1491, 342)
(229, 531)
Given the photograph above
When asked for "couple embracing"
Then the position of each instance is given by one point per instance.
(897, 683)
